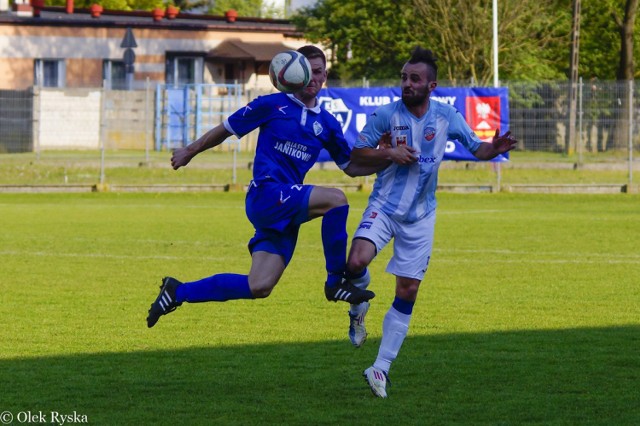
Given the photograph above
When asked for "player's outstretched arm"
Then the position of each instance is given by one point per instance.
(498, 145)
(214, 137)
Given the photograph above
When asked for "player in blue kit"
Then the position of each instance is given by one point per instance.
(293, 131)
(402, 204)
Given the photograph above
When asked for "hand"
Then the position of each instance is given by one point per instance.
(504, 143)
(180, 158)
(385, 141)
(403, 155)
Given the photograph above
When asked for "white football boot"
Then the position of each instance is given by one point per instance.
(357, 330)
(377, 380)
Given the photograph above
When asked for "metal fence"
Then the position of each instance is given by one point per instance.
(16, 121)
(586, 123)
(605, 112)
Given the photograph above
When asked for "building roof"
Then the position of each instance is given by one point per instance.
(237, 49)
(57, 16)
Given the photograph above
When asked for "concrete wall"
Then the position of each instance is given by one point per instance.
(70, 119)
(67, 119)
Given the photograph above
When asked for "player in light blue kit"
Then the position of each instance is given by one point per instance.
(293, 131)
(402, 205)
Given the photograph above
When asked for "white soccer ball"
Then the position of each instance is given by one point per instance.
(290, 71)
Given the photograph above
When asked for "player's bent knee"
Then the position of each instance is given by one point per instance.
(408, 290)
(261, 293)
(337, 198)
(357, 264)
(261, 290)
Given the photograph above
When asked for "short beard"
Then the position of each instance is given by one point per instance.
(411, 101)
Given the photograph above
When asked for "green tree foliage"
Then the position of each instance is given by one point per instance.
(251, 8)
(382, 33)
(534, 37)
(599, 41)
(107, 4)
(370, 38)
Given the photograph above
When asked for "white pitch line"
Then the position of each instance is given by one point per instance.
(548, 261)
(544, 253)
(103, 255)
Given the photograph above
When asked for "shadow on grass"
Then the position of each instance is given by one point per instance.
(574, 376)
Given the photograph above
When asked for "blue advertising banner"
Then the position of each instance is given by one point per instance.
(485, 109)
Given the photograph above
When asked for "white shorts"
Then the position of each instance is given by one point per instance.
(412, 242)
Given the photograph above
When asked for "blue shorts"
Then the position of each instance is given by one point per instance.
(276, 211)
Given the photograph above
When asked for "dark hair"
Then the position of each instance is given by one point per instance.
(310, 51)
(426, 56)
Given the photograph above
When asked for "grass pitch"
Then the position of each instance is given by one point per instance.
(529, 314)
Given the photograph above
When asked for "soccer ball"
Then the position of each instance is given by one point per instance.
(290, 71)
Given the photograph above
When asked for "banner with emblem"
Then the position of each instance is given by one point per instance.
(485, 109)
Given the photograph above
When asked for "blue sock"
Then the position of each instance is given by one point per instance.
(334, 243)
(403, 306)
(356, 275)
(216, 288)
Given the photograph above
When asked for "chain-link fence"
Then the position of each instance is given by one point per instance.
(558, 125)
(601, 121)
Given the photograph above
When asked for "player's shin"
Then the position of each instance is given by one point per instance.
(395, 327)
(334, 243)
(217, 288)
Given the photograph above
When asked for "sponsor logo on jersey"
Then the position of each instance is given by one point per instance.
(317, 128)
(429, 134)
(400, 127)
(429, 160)
(401, 140)
(293, 149)
(373, 215)
(365, 225)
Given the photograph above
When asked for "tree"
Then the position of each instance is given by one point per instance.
(530, 33)
(381, 34)
(626, 28)
(602, 34)
(625, 71)
(369, 38)
(252, 8)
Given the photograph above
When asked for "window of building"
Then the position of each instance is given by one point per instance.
(184, 69)
(114, 72)
(49, 73)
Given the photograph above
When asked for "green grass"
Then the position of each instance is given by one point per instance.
(529, 315)
(216, 167)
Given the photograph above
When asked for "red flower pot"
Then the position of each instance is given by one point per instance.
(157, 14)
(172, 11)
(96, 10)
(231, 15)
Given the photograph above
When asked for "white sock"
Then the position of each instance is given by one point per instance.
(394, 329)
(362, 283)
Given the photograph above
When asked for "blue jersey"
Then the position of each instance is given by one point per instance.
(407, 193)
(291, 137)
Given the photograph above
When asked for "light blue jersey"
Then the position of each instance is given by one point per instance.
(407, 193)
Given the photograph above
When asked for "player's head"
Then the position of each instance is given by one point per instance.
(418, 77)
(425, 56)
(318, 62)
(310, 51)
